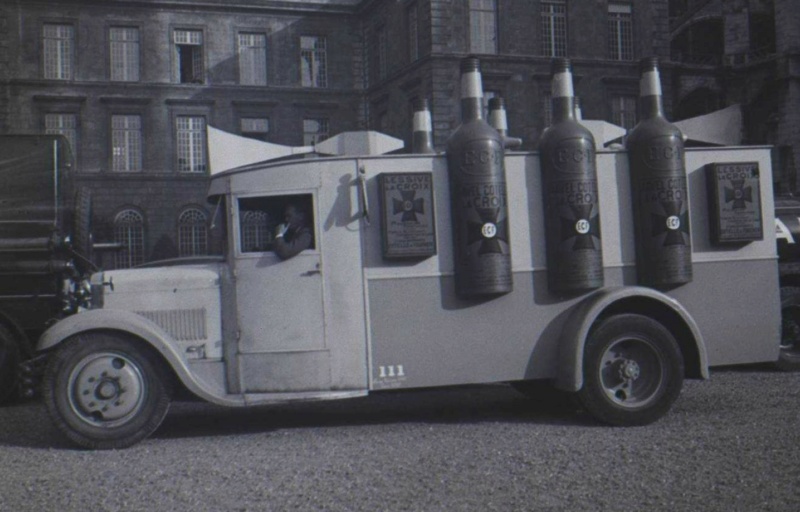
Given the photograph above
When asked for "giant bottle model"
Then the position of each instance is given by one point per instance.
(659, 192)
(569, 188)
(422, 135)
(475, 163)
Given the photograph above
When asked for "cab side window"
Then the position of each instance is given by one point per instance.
(262, 219)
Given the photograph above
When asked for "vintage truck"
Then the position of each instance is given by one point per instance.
(371, 304)
(45, 246)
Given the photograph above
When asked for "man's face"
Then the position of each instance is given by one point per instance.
(293, 217)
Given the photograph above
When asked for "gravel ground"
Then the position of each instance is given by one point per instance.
(731, 443)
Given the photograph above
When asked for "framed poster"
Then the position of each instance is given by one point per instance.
(734, 202)
(407, 222)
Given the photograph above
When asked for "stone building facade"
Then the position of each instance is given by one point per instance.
(134, 83)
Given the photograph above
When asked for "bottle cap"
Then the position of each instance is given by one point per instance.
(469, 64)
(648, 64)
(560, 65)
(497, 103)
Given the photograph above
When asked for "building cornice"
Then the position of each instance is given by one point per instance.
(343, 7)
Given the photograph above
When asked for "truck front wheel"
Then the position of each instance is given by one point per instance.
(105, 391)
(789, 357)
(632, 371)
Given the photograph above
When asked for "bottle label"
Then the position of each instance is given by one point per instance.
(482, 158)
(574, 155)
(663, 154)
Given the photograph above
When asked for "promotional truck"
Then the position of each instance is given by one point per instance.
(371, 303)
(45, 246)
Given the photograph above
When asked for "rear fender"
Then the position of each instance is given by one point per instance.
(613, 301)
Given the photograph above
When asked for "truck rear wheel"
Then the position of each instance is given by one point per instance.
(9, 359)
(105, 391)
(632, 371)
(789, 357)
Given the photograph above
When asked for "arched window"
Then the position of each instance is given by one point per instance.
(129, 231)
(192, 233)
(256, 235)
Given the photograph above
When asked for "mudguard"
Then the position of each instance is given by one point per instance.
(583, 315)
(139, 326)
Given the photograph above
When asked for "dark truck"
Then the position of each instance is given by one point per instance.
(45, 248)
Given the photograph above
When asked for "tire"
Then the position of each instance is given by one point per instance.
(789, 356)
(82, 241)
(632, 371)
(106, 391)
(9, 361)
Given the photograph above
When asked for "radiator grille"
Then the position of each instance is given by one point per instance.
(181, 324)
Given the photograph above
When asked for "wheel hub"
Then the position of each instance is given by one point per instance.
(629, 370)
(107, 389)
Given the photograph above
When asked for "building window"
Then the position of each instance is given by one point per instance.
(383, 57)
(192, 233)
(252, 59)
(191, 143)
(126, 143)
(124, 43)
(255, 127)
(412, 17)
(314, 131)
(255, 229)
(59, 47)
(623, 111)
(129, 232)
(620, 32)
(189, 56)
(554, 28)
(313, 61)
(483, 26)
(66, 125)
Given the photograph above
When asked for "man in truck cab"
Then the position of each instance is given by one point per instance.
(294, 235)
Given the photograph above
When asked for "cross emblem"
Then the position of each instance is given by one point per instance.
(738, 194)
(582, 226)
(408, 206)
(489, 232)
(674, 223)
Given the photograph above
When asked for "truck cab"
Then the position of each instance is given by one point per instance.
(370, 305)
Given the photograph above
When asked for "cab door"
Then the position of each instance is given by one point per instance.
(280, 311)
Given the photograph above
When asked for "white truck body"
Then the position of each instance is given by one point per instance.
(340, 320)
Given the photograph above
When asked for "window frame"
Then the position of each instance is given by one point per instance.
(65, 66)
(126, 130)
(198, 232)
(263, 78)
(548, 25)
(178, 144)
(198, 56)
(479, 19)
(620, 32)
(142, 238)
(279, 201)
(132, 72)
(322, 121)
(316, 79)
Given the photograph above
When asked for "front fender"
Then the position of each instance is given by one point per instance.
(128, 322)
(583, 316)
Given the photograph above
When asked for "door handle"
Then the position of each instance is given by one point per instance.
(311, 272)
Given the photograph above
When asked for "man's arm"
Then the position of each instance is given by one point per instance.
(285, 249)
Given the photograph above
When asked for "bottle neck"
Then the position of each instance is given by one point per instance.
(471, 96)
(498, 120)
(563, 109)
(422, 137)
(563, 97)
(651, 102)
